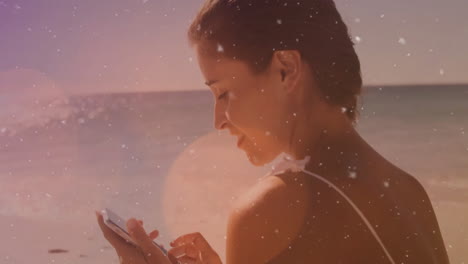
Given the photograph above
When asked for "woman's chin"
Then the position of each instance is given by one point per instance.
(253, 160)
(256, 160)
(257, 156)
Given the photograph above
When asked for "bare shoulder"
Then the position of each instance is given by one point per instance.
(403, 188)
(284, 187)
(410, 187)
(259, 218)
(415, 199)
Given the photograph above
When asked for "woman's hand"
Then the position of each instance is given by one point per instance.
(193, 249)
(146, 253)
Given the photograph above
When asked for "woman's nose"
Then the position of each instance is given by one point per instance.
(220, 118)
(220, 121)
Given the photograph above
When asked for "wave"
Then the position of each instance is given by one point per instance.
(19, 117)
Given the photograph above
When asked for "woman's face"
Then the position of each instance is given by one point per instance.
(251, 107)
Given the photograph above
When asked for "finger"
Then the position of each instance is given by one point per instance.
(115, 240)
(184, 239)
(172, 258)
(139, 235)
(188, 249)
(187, 260)
(154, 234)
(196, 238)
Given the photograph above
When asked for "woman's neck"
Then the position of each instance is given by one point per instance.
(334, 146)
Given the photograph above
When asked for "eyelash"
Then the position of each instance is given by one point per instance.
(222, 95)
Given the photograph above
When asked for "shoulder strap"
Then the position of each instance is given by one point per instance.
(288, 163)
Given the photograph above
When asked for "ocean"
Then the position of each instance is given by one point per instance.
(143, 155)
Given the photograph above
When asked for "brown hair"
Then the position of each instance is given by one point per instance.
(251, 30)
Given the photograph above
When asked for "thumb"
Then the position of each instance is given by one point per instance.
(154, 234)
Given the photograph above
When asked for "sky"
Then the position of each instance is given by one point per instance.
(89, 46)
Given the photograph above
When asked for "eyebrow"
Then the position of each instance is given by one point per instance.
(209, 83)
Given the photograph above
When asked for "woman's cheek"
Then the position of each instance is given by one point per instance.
(237, 112)
(250, 117)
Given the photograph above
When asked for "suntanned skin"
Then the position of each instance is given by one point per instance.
(401, 213)
(283, 110)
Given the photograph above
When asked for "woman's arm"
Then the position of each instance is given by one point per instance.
(251, 236)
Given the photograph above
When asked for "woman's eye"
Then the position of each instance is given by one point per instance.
(222, 95)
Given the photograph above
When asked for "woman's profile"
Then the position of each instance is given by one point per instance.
(286, 79)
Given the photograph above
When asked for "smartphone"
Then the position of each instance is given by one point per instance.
(118, 225)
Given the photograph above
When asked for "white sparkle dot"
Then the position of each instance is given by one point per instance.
(402, 41)
(279, 22)
(386, 184)
(220, 48)
(352, 174)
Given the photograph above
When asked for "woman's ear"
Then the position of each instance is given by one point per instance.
(289, 62)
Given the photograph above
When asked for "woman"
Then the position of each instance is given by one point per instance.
(286, 78)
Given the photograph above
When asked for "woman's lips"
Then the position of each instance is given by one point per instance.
(239, 142)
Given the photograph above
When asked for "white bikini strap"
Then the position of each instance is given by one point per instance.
(288, 163)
